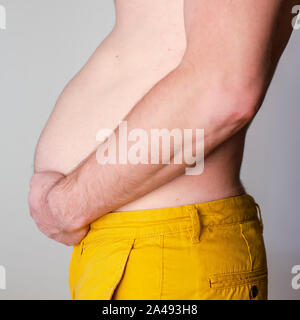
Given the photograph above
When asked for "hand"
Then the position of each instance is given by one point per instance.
(49, 217)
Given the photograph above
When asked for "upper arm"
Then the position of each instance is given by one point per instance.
(239, 39)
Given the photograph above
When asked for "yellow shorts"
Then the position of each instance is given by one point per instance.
(213, 250)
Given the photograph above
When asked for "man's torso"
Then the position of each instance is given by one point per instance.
(147, 42)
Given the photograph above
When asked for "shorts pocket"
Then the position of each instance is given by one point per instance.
(241, 286)
(99, 269)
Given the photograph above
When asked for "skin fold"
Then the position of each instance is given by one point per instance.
(218, 84)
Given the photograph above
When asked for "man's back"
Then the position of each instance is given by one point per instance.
(147, 43)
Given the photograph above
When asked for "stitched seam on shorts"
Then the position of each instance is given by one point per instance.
(162, 266)
(221, 225)
(241, 284)
(248, 247)
(89, 243)
(122, 265)
(175, 221)
(217, 283)
(189, 228)
(239, 272)
(151, 235)
(164, 233)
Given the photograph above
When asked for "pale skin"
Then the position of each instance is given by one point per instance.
(231, 53)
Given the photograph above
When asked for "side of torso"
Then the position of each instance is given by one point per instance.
(147, 42)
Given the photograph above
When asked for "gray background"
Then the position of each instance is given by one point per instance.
(44, 45)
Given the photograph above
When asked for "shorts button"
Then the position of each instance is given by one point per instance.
(253, 292)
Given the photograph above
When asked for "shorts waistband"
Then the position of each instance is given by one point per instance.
(150, 222)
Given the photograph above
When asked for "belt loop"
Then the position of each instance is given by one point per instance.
(260, 217)
(196, 225)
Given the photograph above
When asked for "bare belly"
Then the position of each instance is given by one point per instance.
(133, 58)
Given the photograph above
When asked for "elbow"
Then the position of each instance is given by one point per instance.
(232, 107)
(226, 99)
(243, 108)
